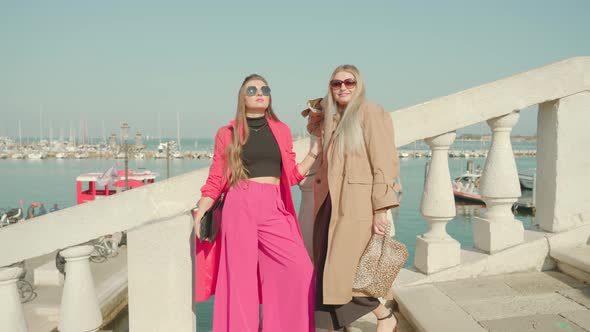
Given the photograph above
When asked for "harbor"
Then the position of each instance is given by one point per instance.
(140, 149)
(38, 149)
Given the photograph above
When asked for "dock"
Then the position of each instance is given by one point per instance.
(524, 205)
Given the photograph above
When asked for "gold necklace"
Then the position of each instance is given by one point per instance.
(259, 128)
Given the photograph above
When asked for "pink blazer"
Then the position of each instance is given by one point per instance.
(207, 254)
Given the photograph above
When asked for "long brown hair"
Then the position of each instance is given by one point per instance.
(236, 169)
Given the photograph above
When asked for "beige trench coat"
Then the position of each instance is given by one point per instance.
(358, 185)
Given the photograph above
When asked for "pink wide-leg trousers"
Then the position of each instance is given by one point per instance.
(262, 255)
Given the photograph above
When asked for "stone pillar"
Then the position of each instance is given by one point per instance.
(497, 229)
(160, 269)
(437, 250)
(12, 317)
(306, 207)
(563, 180)
(79, 309)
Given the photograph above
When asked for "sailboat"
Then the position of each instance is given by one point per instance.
(161, 152)
(18, 154)
(177, 153)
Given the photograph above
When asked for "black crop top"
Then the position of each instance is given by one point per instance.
(261, 154)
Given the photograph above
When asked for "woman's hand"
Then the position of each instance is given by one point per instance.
(316, 146)
(380, 222)
(203, 206)
(315, 123)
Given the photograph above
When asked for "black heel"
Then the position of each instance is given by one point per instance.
(392, 313)
(388, 316)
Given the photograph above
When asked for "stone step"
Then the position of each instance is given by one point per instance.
(428, 309)
(573, 261)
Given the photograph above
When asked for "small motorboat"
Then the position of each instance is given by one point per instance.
(11, 216)
(466, 186)
(527, 179)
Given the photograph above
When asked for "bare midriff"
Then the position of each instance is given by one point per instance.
(266, 179)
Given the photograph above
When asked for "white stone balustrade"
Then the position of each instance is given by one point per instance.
(497, 229)
(11, 310)
(79, 310)
(437, 250)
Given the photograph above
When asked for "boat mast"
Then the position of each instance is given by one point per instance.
(50, 132)
(72, 138)
(86, 135)
(160, 127)
(104, 137)
(40, 123)
(178, 130)
(20, 135)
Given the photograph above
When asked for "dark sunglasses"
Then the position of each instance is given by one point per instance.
(252, 90)
(349, 83)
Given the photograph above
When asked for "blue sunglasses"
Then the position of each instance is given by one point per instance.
(252, 90)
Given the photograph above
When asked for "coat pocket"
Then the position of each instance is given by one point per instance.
(356, 200)
(359, 178)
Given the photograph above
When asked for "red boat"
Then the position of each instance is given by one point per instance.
(91, 186)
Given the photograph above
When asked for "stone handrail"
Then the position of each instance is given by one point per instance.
(478, 104)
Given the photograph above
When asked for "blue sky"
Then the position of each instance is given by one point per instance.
(135, 61)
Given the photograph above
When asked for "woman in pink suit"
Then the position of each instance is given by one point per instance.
(262, 255)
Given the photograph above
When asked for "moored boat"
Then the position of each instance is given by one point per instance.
(466, 188)
(527, 179)
(91, 186)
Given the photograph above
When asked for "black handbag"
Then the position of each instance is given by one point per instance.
(211, 221)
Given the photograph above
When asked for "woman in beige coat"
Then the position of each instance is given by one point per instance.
(354, 187)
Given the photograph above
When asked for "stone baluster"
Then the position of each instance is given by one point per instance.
(497, 229)
(12, 317)
(79, 309)
(437, 250)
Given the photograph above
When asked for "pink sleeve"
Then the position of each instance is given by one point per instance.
(206, 268)
(294, 176)
(216, 179)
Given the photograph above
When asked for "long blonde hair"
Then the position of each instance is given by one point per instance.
(348, 135)
(236, 170)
